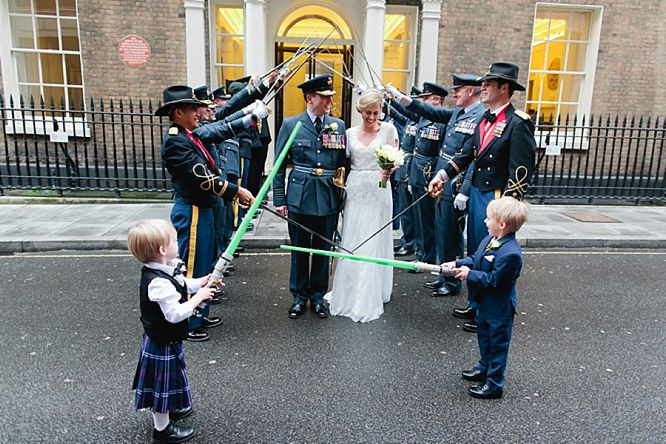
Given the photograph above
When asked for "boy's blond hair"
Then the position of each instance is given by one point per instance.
(512, 212)
(147, 236)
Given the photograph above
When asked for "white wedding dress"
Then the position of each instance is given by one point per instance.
(361, 289)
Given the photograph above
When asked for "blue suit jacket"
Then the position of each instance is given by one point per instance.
(308, 193)
(492, 279)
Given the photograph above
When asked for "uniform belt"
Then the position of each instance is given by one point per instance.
(423, 156)
(314, 171)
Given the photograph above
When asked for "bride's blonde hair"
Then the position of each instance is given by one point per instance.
(368, 98)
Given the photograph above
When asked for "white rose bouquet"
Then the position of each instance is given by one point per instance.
(389, 157)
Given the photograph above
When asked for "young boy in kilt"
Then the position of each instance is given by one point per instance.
(161, 380)
(491, 275)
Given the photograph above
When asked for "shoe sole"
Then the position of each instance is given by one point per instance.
(198, 340)
(296, 316)
(211, 302)
(468, 330)
(187, 438)
(213, 325)
(477, 396)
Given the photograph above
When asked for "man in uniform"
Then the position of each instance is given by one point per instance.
(311, 199)
(428, 139)
(449, 221)
(410, 241)
(196, 183)
(503, 150)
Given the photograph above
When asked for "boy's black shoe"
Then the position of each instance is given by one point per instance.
(474, 375)
(464, 313)
(402, 251)
(469, 327)
(211, 322)
(197, 335)
(484, 392)
(180, 413)
(442, 292)
(173, 434)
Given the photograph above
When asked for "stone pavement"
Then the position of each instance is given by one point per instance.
(27, 227)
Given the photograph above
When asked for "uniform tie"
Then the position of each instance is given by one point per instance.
(490, 117)
(317, 124)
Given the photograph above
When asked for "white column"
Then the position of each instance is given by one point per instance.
(195, 42)
(430, 15)
(255, 37)
(373, 44)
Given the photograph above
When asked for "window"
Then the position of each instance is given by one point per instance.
(398, 48)
(45, 51)
(565, 43)
(229, 63)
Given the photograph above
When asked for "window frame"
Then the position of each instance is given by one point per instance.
(212, 23)
(414, 12)
(35, 124)
(584, 103)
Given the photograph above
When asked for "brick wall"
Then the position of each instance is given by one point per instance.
(103, 23)
(474, 33)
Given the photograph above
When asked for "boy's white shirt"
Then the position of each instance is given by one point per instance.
(163, 292)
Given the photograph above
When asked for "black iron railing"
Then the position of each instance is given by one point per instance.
(113, 146)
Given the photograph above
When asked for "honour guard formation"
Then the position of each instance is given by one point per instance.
(452, 171)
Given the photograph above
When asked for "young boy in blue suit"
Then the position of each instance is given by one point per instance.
(491, 275)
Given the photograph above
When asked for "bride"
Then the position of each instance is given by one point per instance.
(360, 289)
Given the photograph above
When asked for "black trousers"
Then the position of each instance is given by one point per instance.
(308, 279)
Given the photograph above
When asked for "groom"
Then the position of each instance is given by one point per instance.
(311, 199)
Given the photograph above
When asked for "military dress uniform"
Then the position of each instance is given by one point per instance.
(449, 221)
(312, 198)
(196, 185)
(428, 141)
(410, 242)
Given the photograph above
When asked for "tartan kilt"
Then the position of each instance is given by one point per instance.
(161, 379)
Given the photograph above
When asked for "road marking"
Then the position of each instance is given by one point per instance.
(577, 253)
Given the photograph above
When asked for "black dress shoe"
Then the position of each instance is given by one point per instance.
(250, 227)
(433, 285)
(474, 375)
(484, 392)
(240, 249)
(211, 322)
(231, 268)
(470, 327)
(442, 291)
(197, 335)
(296, 311)
(464, 313)
(320, 310)
(236, 254)
(173, 433)
(215, 300)
(175, 415)
(402, 251)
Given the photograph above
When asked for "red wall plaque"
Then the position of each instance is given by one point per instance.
(134, 51)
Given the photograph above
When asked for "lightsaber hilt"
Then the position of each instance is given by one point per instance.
(220, 267)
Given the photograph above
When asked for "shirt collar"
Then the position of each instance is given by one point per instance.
(500, 109)
(471, 107)
(313, 117)
(166, 268)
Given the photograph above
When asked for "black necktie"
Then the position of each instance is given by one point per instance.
(490, 117)
(317, 124)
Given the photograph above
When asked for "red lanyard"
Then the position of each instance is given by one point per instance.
(203, 149)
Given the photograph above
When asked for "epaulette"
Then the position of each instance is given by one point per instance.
(173, 131)
(522, 114)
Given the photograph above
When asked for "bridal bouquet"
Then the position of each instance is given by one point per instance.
(389, 157)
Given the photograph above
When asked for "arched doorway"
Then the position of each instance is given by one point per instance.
(313, 22)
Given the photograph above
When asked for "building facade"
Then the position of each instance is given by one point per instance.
(576, 57)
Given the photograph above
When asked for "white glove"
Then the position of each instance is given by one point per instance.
(460, 202)
(284, 72)
(397, 95)
(359, 89)
(248, 109)
(261, 110)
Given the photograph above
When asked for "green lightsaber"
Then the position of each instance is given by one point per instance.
(416, 266)
(228, 254)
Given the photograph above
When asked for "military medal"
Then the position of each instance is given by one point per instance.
(499, 128)
(410, 130)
